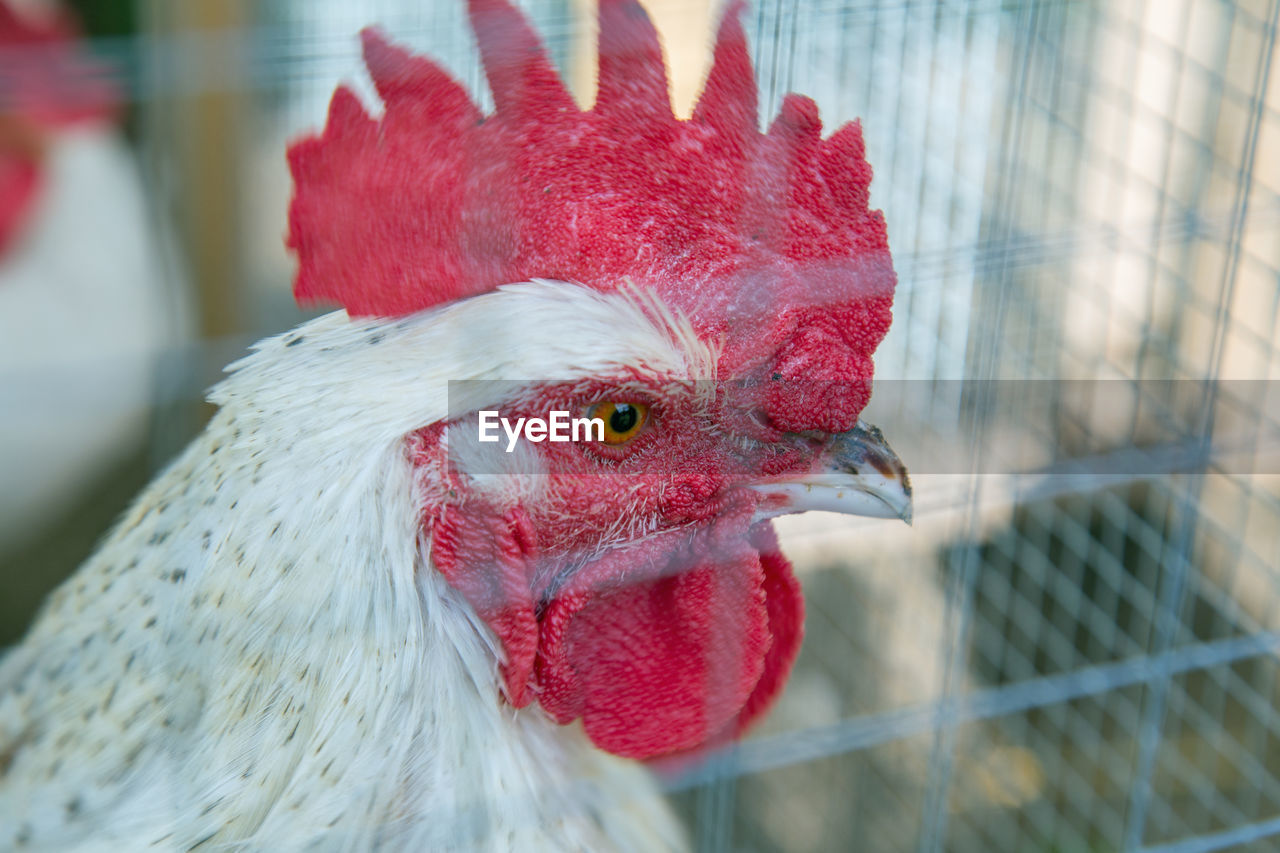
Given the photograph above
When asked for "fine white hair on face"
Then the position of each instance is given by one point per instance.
(537, 330)
(337, 382)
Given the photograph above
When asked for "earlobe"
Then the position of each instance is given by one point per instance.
(486, 555)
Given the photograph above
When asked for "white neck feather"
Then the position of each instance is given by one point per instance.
(334, 686)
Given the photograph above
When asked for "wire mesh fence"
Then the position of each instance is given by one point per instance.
(1099, 668)
(1074, 649)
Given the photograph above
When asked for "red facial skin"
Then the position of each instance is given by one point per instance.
(635, 593)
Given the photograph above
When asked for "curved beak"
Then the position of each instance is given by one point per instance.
(858, 474)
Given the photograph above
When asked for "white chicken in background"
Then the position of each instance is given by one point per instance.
(89, 299)
(343, 621)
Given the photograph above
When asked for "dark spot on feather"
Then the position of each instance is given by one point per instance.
(202, 841)
(150, 623)
(293, 342)
(132, 719)
(73, 808)
(177, 575)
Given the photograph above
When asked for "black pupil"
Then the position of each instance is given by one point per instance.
(624, 417)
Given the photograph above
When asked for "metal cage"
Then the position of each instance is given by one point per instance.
(1074, 648)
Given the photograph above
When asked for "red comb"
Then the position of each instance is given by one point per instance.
(45, 75)
(435, 201)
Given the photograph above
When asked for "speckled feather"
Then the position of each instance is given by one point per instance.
(260, 656)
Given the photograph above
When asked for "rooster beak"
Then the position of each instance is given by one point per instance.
(858, 474)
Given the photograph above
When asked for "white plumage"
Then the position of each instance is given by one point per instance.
(261, 657)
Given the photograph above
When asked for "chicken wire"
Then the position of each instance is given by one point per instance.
(1074, 648)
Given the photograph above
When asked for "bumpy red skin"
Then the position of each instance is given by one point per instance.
(682, 630)
(765, 241)
(660, 643)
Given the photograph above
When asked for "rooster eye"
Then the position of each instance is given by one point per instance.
(621, 420)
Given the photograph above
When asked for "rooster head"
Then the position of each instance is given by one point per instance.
(710, 294)
(46, 83)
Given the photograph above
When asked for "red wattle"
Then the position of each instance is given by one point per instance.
(661, 652)
(785, 605)
(664, 646)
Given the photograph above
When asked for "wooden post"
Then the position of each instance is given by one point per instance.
(197, 127)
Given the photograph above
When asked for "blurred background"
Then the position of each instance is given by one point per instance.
(1073, 649)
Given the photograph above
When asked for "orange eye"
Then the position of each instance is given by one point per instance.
(621, 420)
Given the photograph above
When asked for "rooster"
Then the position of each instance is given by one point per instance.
(341, 620)
(86, 301)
